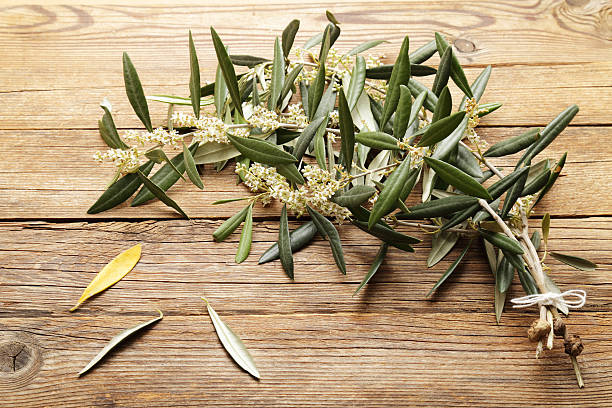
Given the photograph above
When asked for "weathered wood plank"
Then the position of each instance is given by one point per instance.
(65, 180)
(314, 344)
(365, 359)
(46, 265)
(67, 58)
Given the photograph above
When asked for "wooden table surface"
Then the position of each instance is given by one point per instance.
(314, 343)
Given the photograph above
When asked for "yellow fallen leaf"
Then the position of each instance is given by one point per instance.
(112, 273)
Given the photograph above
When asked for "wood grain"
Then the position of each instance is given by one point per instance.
(65, 181)
(314, 343)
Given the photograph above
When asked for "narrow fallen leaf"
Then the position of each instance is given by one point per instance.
(112, 273)
(118, 339)
(232, 343)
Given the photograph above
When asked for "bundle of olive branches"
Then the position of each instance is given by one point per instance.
(342, 136)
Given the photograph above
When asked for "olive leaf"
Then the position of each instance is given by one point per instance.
(513, 195)
(112, 273)
(164, 178)
(467, 162)
(289, 81)
(384, 71)
(120, 190)
(160, 193)
(502, 241)
(117, 339)
(353, 197)
(159, 156)
(306, 137)
(246, 237)
(424, 52)
(387, 199)
(388, 235)
(298, 238)
(284, 243)
(315, 91)
(456, 73)
(514, 144)
(290, 172)
(376, 263)
(545, 228)
(230, 225)
(377, 140)
(549, 133)
(358, 75)
(441, 244)
(574, 261)
(399, 76)
(288, 36)
(232, 343)
(190, 166)
(247, 60)
(478, 87)
(403, 113)
(439, 130)
(445, 147)
(108, 130)
(450, 269)
(458, 178)
(135, 94)
(364, 47)
(278, 76)
(439, 208)
(444, 105)
(347, 133)
(552, 178)
(227, 68)
(261, 151)
(504, 276)
(527, 282)
(327, 230)
(443, 73)
(194, 79)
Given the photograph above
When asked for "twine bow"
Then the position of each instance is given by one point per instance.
(554, 299)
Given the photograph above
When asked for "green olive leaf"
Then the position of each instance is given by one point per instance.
(574, 261)
(478, 87)
(456, 73)
(388, 235)
(514, 144)
(439, 208)
(549, 133)
(504, 275)
(442, 243)
(261, 151)
(403, 113)
(288, 36)
(191, 168)
(384, 71)
(545, 228)
(450, 269)
(227, 68)
(117, 339)
(230, 225)
(327, 230)
(399, 76)
(315, 91)
(377, 140)
(439, 130)
(284, 243)
(159, 193)
(290, 172)
(358, 76)
(444, 106)
(232, 343)
(556, 171)
(364, 47)
(220, 92)
(247, 60)
(289, 81)
(502, 241)
(135, 94)
(387, 200)
(347, 133)
(298, 238)
(467, 162)
(194, 79)
(278, 76)
(306, 137)
(120, 190)
(443, 74)
(353, 197)
(424, 52)
(458, 178)
(246, 237)
(376, 263)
